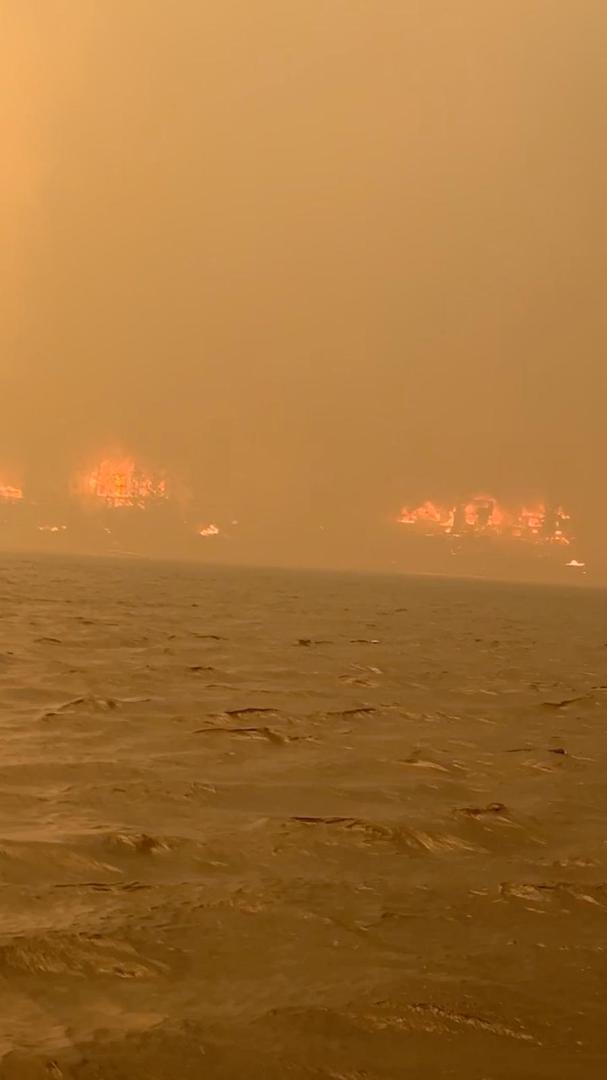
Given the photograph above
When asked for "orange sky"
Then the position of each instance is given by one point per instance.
(329, 255)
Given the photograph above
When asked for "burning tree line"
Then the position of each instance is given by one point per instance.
(114, 483)
(123, 482)
(483, 515)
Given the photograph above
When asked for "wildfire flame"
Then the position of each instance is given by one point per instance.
(10, 493)
(121, 482)
(209, 530)
(483, 515)
(427, 512)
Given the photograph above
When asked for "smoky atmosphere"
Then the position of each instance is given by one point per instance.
(308, 265)
(303, 648)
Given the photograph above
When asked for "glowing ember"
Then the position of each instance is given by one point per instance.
(52, 528)
(9, 493)
(209, 530)
(121, 482)
(483, 515)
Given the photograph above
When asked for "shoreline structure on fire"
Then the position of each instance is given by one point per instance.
(119, 504)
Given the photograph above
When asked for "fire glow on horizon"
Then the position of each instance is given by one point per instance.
(483, 515)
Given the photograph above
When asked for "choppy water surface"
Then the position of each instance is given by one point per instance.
(270, 824)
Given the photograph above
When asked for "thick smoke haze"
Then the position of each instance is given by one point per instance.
(317, 257)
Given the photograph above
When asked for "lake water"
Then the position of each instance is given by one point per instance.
(275, 824)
